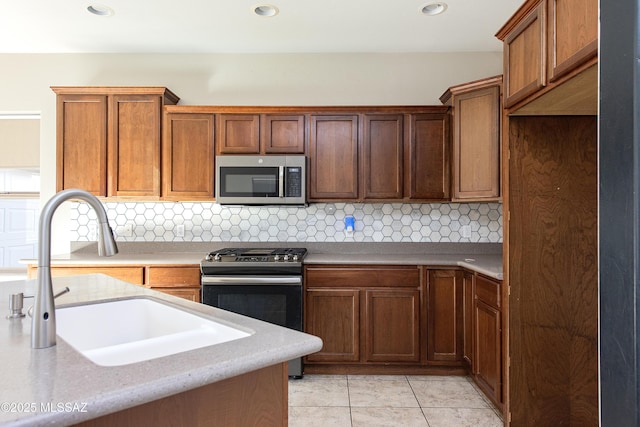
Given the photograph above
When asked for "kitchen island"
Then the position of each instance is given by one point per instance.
(59, 386)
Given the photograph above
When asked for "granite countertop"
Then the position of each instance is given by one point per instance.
(480, 257)
(79, 390)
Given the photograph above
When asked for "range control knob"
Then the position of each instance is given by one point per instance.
(276, 257)
(217, 257)
(286, 257)
(295, 257)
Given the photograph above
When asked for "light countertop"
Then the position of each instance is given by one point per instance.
(483, 258)
(79, 390)
(490, 265)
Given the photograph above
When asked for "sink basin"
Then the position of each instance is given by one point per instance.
(132, 330)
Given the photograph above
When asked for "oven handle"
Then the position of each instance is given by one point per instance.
(281, 182)
(235, 280)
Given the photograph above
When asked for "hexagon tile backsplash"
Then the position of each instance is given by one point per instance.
(318, 222)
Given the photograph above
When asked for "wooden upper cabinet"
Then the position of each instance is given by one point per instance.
(333, 146)
(188, 156)
(383, 156)
(283, 134)
(476, 139)
(547, 43)
(238, 133)
(428, 157)
(573, 34)
(525, 64)
(134, 145)
(81, 150)
(108, 139)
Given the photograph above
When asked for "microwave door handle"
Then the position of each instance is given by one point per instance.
(281, 182)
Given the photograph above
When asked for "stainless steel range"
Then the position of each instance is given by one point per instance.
(263, 283)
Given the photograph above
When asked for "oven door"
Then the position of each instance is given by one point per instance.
(275, 300)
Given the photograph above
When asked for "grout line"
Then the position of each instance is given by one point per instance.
(349, 398)
(418, 401)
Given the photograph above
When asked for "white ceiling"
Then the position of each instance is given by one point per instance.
(229, 26)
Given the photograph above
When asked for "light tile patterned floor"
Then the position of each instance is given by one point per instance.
(388, 401)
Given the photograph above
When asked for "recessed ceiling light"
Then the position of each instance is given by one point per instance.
(265, 10)
(100, 10)
(433, 9)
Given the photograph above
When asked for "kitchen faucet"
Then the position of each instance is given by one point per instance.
(43, 325)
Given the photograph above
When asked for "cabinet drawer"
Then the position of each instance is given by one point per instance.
(488, 291)
(170, 277)
(128, 274)
(189, 293)
(373, 276)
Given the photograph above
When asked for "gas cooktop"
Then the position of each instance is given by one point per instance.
(253, 261)
(256, 255)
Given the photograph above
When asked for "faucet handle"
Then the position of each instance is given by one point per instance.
(62, 292)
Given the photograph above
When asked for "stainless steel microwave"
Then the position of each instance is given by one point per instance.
(261, 180)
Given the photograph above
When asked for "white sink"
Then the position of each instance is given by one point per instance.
(133, 330)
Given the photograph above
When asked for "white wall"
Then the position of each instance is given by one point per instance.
(227, 79)
(19, 143)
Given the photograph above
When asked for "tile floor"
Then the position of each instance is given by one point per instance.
(388, 401)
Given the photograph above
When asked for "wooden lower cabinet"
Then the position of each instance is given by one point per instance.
(181, 281)
(133, 275)
(334, 315)
(445, 316)
(487, 340)
(468, 282)
(365, 315)
(392, 325)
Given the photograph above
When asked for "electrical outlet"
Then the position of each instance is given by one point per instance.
(125, 231)
(180, 230)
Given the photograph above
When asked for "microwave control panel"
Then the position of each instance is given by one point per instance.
(293, 181)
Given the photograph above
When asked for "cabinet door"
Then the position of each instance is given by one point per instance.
(476, 145)
(238, 133)
(383, 157)
(392, 328)
(188, 156)
(283, 134)
(573, 34)
(488, 350)
(81, 147)
(524, 57)
(134, 145)
(469, 308)
(334, 157)
(445, 318)
(334, 316)
(429, 169)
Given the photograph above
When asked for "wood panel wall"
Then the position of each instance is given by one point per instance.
(552, 243)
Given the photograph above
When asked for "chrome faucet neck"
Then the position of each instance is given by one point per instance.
(43, 326)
